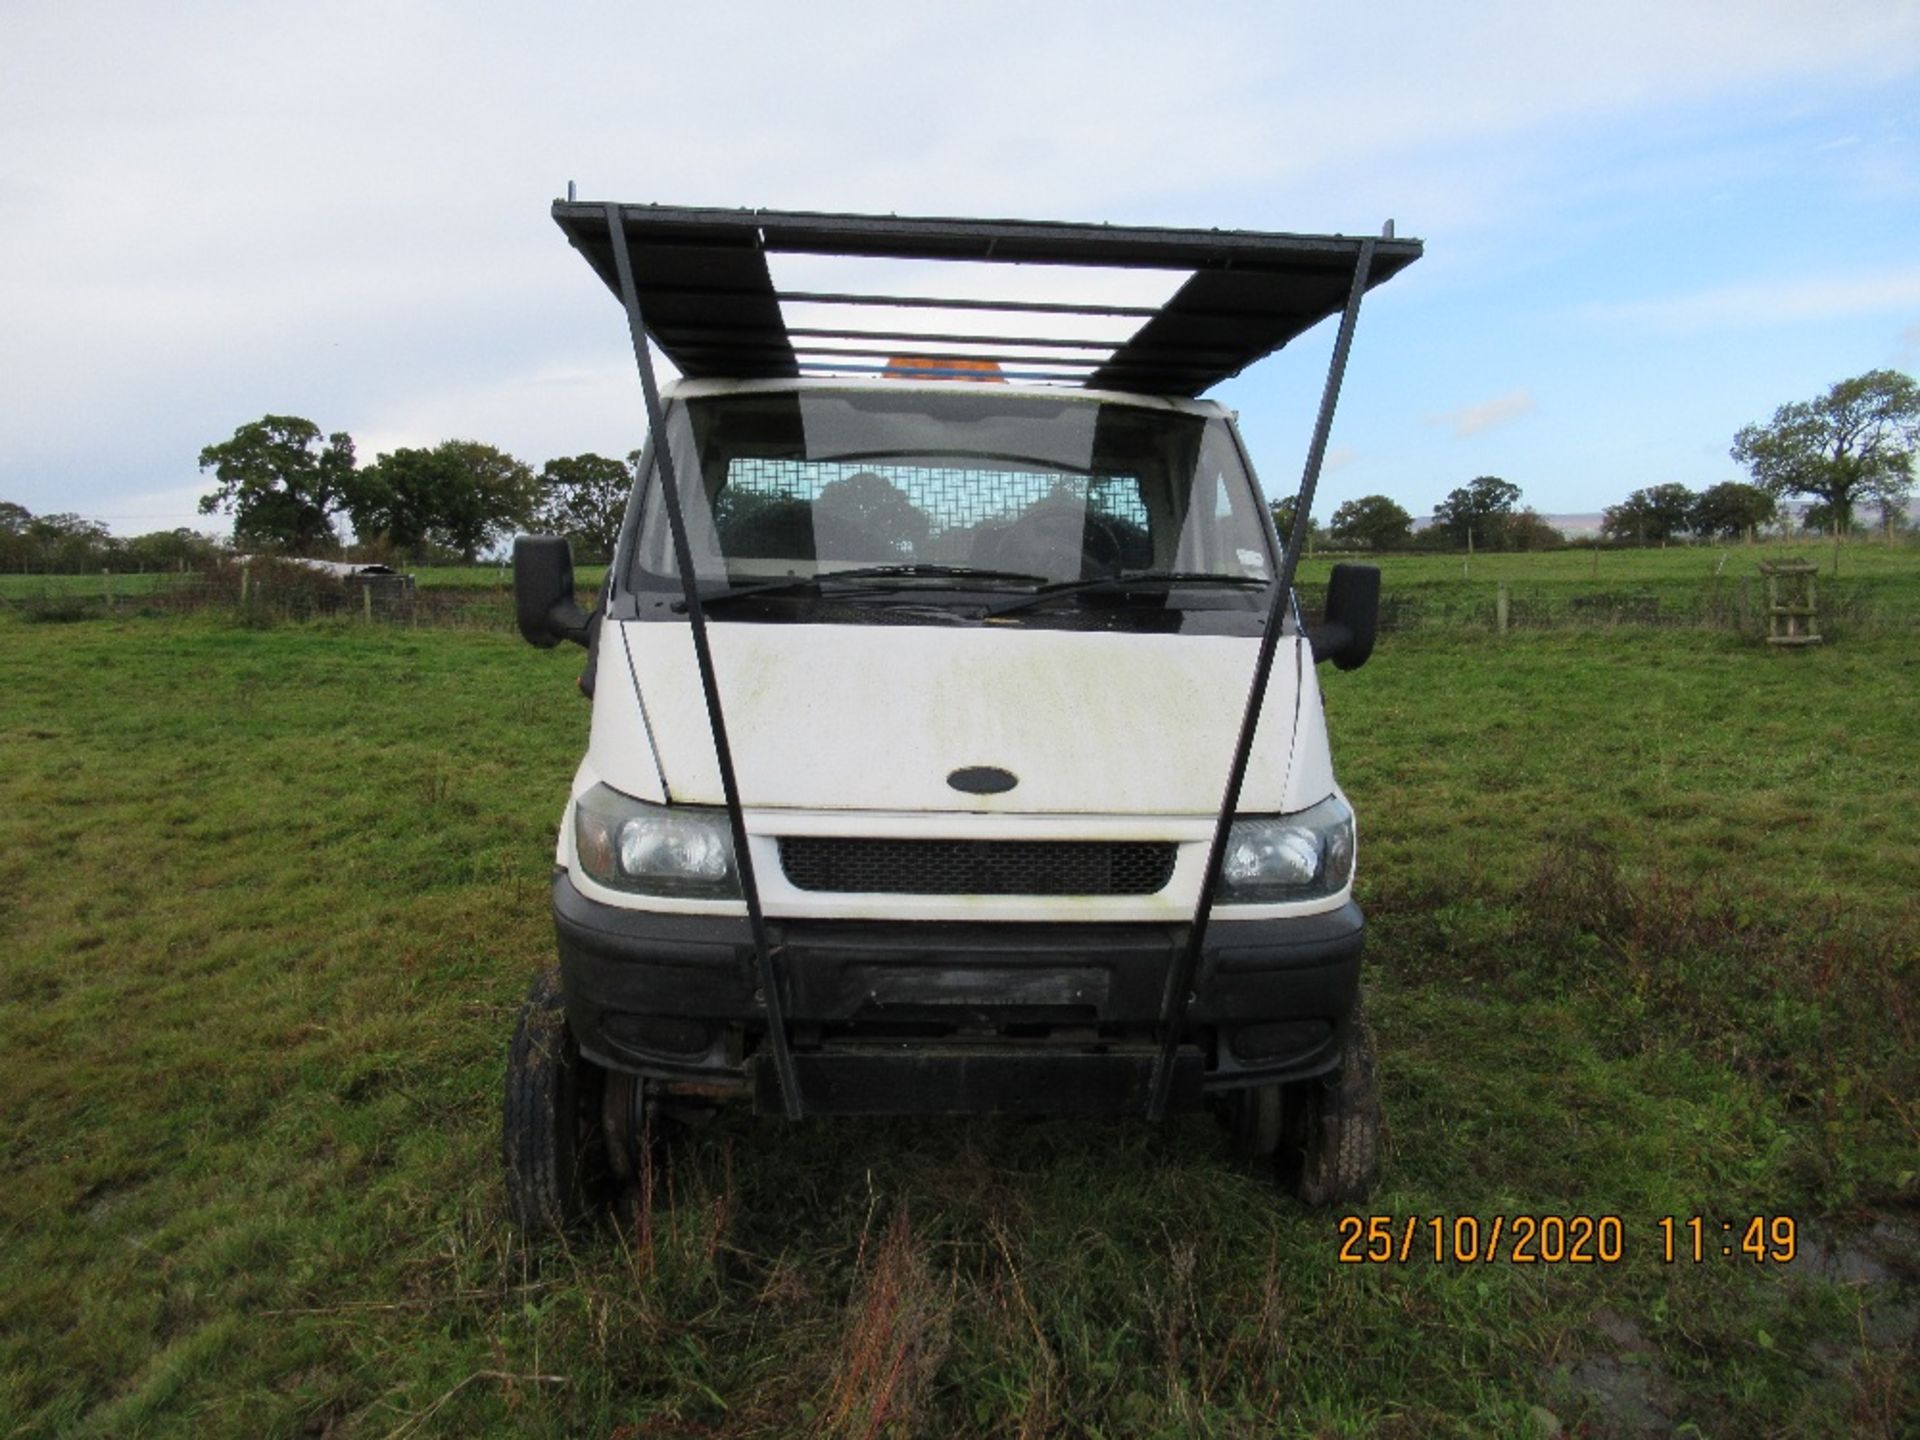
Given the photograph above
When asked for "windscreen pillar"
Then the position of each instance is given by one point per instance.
(774, 1007)
(1180, 977)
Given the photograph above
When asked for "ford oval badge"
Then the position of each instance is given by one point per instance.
(983, 780)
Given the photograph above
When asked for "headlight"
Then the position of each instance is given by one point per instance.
(681, 850)
(1274, 858)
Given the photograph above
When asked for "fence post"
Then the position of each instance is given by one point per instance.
(246, 572)
(106, 584)
(366, 601)
(1500, 609)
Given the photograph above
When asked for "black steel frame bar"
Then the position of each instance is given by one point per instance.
(923, 237)
(719, 336)
(935, 302)
(774, 349)
(907, 302)
(917, 337)
(777, 1039)
(934, 372)
(1057, 362)
(1180, 978)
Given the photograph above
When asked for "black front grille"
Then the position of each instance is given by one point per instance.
(976, 867)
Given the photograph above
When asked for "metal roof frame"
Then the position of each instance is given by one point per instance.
(713, 308)
(702, 259)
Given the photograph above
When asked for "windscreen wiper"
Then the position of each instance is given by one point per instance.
(963, 572)
(1125, 580)
(864, 572)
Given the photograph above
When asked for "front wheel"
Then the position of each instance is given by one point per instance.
(1329, 1152)
(551, 1139)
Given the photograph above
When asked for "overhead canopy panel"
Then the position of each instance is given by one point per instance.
(712, 305)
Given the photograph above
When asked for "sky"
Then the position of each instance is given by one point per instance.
(1646, 225)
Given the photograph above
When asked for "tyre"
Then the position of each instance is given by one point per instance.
(1329, 1151)
(551, 1139)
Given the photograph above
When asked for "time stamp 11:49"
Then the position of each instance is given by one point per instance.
(1563, 1239)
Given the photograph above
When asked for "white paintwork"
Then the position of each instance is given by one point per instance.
(853, 729)
(838, 730)
(875, 717)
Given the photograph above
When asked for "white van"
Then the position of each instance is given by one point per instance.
(934, 674)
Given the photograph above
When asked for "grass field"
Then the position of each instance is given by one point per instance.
(1877, 586)
(1642, 944)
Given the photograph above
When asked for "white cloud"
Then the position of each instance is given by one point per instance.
(1487, 414)
(1763, 302)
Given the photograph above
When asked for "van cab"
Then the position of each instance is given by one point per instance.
(917, 687)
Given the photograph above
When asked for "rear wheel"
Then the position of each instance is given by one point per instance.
(1254, 1119)
(552, 1141)
(1329, 1151)
(638, 1128)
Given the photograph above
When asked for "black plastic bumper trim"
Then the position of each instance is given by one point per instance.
(918, 978)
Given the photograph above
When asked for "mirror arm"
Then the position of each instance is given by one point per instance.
(567, 621)
(1329, 640)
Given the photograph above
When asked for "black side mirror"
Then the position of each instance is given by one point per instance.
(543, 598)
(1353, 617)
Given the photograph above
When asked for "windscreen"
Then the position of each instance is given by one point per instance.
(1017, 487)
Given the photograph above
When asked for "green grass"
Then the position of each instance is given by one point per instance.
(1641, 944)
(449, 577)
(92, 587)
(1877, 586)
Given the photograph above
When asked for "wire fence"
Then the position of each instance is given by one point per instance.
(272, 592)
(1738, 604)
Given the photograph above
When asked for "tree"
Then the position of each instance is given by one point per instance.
(1820, 518)
(1893, 512)
(1650, 516)
(1527, 529)
(1373, 522)
(401, 497)
(496, 496)
(281, 482)
(461, 494)
(1475, 514)
(1729, 510)
(1283, 522)
(168, 549)
(1854, 443)
(584, 498)
(67, 544)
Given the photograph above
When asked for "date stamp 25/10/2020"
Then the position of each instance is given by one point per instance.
(1563, 1239)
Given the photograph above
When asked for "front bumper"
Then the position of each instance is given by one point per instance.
(920, 1017)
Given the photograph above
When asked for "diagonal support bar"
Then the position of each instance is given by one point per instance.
(1179, 993)
(777, 1040)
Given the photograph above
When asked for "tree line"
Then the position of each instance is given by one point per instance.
(68, 544)
(1483, 514)
(287, 485)
(1852, 448)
